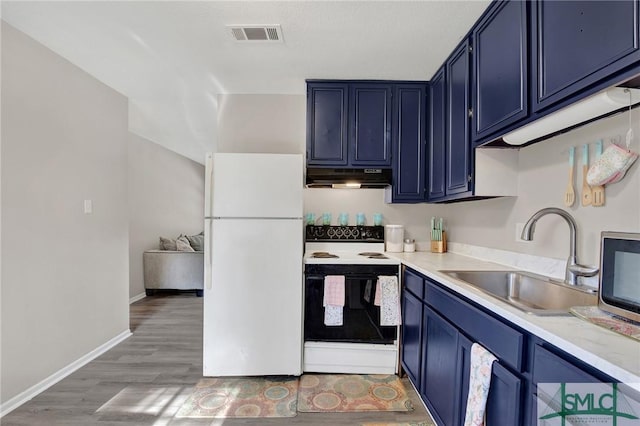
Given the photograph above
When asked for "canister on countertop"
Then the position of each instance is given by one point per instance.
(409, 245)
(393, 238)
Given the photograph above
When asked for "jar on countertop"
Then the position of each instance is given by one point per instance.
(409, 245)
(393, 237)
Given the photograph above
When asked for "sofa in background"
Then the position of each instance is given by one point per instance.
(174, 270)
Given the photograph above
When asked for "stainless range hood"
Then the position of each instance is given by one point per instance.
(320, 177)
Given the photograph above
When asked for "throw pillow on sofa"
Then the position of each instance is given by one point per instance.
(168, 244)
(182, 244)
(196, 241)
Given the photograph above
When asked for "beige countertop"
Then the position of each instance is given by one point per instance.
(614, 354)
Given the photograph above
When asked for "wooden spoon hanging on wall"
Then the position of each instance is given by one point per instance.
(586, 189)
(570, 195)
(597, 192)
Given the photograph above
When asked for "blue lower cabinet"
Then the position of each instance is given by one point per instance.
(439, 329)
(464, 366)
(412, 336)
(504, 403)
(550, 368)
(439, 367)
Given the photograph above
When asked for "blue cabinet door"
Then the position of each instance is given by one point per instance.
(436, 164)
(504, 402)
(408, 142)
(577, 43)
(411, 336)
(439, 368)
(327, 124)
(551, 368)
(370, 124)
(464, 366)
(505, 399)
(500, 68)
(458, 149)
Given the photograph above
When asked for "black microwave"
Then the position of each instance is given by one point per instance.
(619, 282)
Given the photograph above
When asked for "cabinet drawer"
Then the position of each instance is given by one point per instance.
(550, 368)
(503, 341)
(414, 283)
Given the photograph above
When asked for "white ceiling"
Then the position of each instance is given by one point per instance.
(172, 58)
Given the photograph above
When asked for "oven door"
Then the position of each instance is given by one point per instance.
(361, 317)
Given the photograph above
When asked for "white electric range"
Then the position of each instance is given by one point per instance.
(361, 345)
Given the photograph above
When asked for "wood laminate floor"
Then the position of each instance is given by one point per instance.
(145, 379)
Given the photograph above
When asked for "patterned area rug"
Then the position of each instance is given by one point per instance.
(350, 392)
(232, 397)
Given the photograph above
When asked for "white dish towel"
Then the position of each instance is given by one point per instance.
(479, 381)
(388, 298)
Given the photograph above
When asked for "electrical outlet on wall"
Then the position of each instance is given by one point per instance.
(519, 228)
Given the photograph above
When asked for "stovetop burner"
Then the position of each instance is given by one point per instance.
(323, 255)
(373, 255)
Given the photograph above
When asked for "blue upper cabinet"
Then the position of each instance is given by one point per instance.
(578, 43)
(458, 149)
(409, 142)
(450, 154)
(437, 135)
(500, 65)
(349, 124)
(327, 114)
(370, 125)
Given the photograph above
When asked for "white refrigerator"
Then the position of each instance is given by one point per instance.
(253, 293)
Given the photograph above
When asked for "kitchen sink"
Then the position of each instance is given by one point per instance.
(533, 294)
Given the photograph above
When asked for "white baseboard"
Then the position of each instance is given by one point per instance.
(34, 390)
(135, 298)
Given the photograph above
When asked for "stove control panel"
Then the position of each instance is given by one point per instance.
(374, 234)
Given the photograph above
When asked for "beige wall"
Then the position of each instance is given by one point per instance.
(261, 123)
(65, 273)
(166, 198)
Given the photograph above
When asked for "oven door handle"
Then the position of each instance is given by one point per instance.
(347, 276)
(315, 277)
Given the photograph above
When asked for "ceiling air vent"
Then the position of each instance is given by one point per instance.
(256, 33)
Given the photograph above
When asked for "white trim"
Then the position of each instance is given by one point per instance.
(137, 297)
(34, 390)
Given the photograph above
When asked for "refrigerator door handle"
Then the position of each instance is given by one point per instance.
(209, 257)
(208, 185)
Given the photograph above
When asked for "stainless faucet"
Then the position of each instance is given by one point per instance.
(574, 269)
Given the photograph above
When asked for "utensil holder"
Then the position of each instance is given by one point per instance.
(439, 246)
